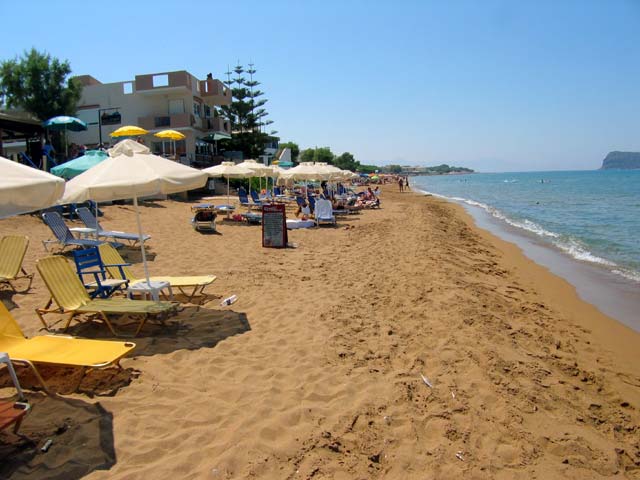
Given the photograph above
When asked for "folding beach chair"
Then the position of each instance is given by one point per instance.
(256, 198)
(12, 413)
(91, 221)
(312, 203)
(70, 296)
(64, 236)
(244, 200)
(118, 268)
(57, 349)
(12, 251)
(324, 213)
(88, 262)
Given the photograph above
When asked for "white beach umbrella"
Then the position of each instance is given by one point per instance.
(333, 173)
(132, 171)
(24, 189)
(228, 170)
(305, 171)
(259, 170)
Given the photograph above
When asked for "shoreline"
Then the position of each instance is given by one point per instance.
(316, 371)
(614, 294)
(566, 296)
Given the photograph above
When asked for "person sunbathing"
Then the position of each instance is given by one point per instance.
(303, 211)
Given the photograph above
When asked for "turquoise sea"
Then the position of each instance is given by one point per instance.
(591, 216)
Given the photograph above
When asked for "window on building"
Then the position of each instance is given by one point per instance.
(176, 107)
(88, 116)
(160, 80)
(111, 117)
(127, 88)
(196, 109)
(162, 121)
(207, 111)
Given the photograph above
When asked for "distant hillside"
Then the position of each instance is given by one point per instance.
(621, 160)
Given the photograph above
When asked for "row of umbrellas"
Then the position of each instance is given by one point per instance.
(129, 170)
(66, 123)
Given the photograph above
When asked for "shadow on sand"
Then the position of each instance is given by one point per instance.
(81, 435)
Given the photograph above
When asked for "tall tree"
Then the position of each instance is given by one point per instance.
(322, 154)
(38, 83)
(347, 161)
(246, 113)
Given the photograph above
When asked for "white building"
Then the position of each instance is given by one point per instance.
(155, 102)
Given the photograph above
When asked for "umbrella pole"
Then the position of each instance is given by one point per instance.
(144, 255)
(228, 202)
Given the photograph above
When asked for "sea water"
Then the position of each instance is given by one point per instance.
(591, 217)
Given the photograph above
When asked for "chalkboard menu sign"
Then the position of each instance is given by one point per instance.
(274, 226)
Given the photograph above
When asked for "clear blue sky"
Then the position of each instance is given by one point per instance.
(491, 85)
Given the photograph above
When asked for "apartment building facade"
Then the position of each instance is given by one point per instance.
(157, 101)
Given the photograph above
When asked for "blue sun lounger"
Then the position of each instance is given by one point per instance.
(92, 222)
(63, 235)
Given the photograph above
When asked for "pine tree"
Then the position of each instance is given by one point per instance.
(246, 113)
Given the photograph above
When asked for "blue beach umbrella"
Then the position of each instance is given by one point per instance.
(64, 123)
(79, 165)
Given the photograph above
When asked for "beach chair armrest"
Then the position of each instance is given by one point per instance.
(120, 269)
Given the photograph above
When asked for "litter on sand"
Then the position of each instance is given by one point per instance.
(426, 381)
(459, 456)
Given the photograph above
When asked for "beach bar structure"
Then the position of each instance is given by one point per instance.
(156, 101)
(19, 132)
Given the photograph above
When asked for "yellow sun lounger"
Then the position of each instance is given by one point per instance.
(57, 350)
(12, 251)
(70, 296)
(117, 268)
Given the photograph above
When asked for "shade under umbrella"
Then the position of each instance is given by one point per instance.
(128, 131)
(228, 170)
(24, 189)
(79, 165)
(132, 171)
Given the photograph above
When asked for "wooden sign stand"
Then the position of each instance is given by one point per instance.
(274, 226)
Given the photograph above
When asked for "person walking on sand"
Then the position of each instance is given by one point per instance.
(401, 183)
(406, 182)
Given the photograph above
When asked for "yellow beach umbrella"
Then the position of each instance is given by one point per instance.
(129, 131)
(170, 135)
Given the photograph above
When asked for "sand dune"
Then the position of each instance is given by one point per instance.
(316, 371)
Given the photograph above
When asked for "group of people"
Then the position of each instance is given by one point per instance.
(403, 183)
(366, 199)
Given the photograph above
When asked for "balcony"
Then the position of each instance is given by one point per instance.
(214, 92)
(154, 122)
(216, 124)
(168, 82)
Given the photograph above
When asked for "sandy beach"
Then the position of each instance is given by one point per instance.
(410, 345)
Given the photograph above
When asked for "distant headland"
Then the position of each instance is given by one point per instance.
(621, 160)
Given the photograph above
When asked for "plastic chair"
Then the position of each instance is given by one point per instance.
(70, 296)
(56, 349)
(12, 251)
(64, 236)
(118, 268)
(88, 262)
(92, 222)
(12, 413)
